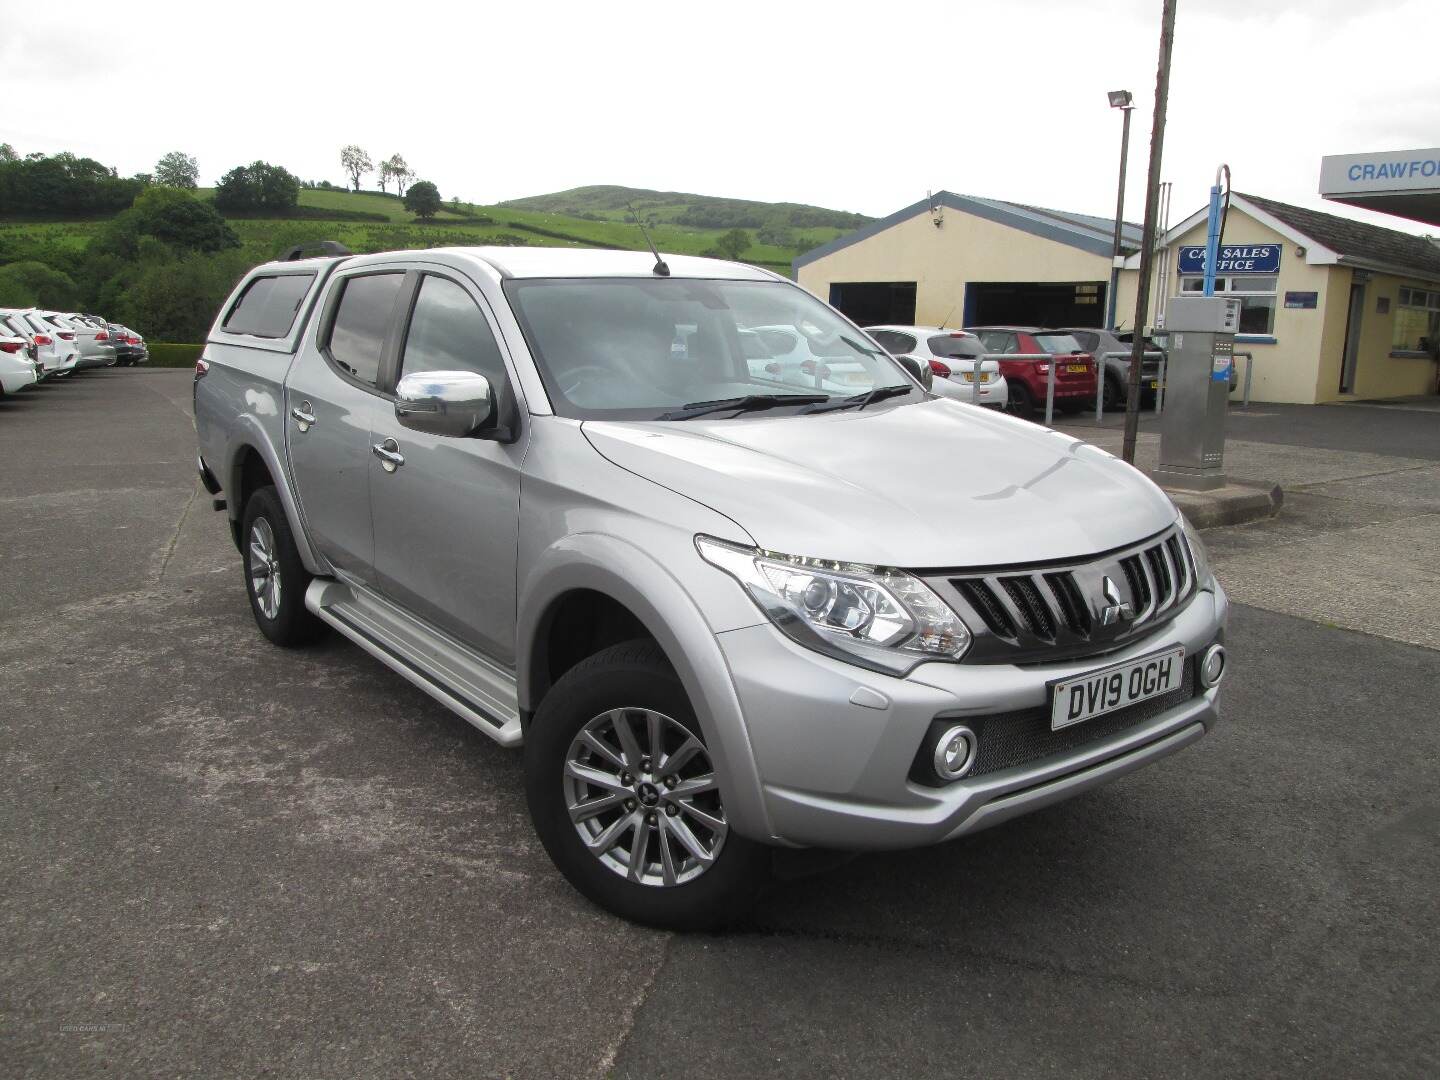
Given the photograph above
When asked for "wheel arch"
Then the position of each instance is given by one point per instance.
(253, 460)
(602, 571)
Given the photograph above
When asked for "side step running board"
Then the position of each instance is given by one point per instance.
(454, 675)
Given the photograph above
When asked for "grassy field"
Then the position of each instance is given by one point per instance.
(507, 225)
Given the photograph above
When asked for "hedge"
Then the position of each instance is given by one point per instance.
(169, 354)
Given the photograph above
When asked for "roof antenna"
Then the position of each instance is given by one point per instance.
(660, 270)
(948, 314)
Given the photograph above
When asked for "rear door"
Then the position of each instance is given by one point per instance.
(332, 398)
(447, 519)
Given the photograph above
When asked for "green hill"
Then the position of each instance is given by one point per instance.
(612, 203)
(172, 295)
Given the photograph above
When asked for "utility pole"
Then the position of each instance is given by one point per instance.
(1147, 240)
(1119, 99)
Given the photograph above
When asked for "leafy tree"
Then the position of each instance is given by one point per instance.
(258, 187)
(178, 170)
(7, 153)
(394, 168)
(423, 199)
(356, 162)
(775, 235)
(733, 244)
(33, 284)
(64, 185)
(182, 221)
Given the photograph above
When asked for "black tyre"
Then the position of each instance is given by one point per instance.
(1022, 402)
(1114, 394)
(275, 578)
(625, 796)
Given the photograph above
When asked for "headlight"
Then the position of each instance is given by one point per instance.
(1203, 574)
(881, 619)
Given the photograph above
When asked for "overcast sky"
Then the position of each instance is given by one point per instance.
(857, 106)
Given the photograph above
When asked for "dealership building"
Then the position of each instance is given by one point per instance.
(1332, 309)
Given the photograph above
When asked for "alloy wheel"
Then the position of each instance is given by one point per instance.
(264, 562)
(641, 792)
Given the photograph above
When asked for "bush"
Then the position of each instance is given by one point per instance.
(62, 186)
(422, 199)
(33, 284)
(257, 187)
(169, 354)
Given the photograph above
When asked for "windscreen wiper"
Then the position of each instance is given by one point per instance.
(748, 403)
(859, 401)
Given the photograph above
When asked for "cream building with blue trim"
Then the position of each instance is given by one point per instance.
(1333, 309)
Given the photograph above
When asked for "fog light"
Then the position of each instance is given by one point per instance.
(954, 753)
(1212, 666)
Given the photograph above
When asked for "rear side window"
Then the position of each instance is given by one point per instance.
(947, 347)
(357, 338)
(1058, 343)
(268, 305)
(894, 342)
(449, 333)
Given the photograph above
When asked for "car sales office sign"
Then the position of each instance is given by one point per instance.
(1234, 259)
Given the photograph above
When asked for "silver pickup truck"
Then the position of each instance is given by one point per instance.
(726, 604)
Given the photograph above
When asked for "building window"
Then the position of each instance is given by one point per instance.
(1417, 320)
(1257, 298)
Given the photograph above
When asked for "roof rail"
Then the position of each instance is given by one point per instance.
(318, 248)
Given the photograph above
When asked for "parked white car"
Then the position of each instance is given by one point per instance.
(55, 350)
(92, 338)
(17, 369)
(951, 355)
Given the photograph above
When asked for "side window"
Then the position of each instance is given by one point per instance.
(894, 342)
(268, 305)
(358, 335)
(448, 332)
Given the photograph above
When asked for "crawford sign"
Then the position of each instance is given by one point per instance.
(1234, 259)
(1396, 170)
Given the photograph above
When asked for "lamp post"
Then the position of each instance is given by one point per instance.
(1122, 100)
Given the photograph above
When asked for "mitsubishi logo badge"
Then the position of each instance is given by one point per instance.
(1114, 610)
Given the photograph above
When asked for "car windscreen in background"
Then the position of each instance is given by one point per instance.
(1058, 343)
(948, 348)
(268, 305)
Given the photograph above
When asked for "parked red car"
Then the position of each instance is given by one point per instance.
(1075, 370)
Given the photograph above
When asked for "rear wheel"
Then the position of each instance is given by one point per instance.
(1114, 394)
(1022, 402)
(275, 578)
(626, 797)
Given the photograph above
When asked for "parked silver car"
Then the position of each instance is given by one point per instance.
(724, 614)
(1116, 370)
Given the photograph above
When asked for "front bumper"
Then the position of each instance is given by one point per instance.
(834, 744)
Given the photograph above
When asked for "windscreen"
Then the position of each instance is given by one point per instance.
(1058, 343)
(948, 347)
(638, 348)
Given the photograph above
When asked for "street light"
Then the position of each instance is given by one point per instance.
(1122, 100)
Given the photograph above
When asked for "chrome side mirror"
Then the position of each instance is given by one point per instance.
(919, 370)
(454, 403)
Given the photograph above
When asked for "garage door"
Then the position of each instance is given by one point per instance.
(1035, 303)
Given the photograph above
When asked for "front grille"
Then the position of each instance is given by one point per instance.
(1009, 740)
(1084, 607)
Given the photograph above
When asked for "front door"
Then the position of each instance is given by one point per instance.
(447, 518)
(1352, 338)
(331, 402)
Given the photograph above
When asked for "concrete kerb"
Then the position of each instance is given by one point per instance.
(1236, 503)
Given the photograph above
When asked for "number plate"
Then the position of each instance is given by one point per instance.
(1154, 384)
(1095, 693)
(1077, 369)
(984, 376)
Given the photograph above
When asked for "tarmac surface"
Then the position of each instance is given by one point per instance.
(218, 858)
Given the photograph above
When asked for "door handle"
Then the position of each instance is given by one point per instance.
(304, 417)
(389, 454)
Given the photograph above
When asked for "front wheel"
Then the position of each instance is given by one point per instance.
(626, 797)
